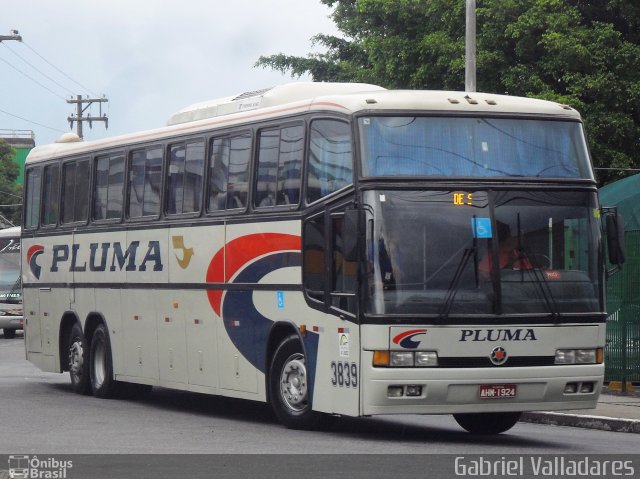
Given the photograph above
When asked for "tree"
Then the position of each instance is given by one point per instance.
(10, 193)
(578, 52)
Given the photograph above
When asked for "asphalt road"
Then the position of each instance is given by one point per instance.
(39, 414)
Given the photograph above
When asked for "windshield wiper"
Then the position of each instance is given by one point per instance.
(453, 286)
(542, 282)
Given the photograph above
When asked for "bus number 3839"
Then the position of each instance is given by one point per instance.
(344, 374)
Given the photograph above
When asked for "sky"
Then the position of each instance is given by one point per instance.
(149, 58)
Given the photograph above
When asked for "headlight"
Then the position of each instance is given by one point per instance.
(578, 356)
(405, 359)
(401, 359)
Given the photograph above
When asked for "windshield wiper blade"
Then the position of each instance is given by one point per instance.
(542, 282)
(453, 286)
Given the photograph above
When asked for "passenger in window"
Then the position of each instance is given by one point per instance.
(510, 254)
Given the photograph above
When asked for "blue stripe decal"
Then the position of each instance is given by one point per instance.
(245, 326)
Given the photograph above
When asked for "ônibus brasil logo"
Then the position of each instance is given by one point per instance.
(405, 339)
(32, 256)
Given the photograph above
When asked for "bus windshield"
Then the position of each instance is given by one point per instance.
(473, 147)
(10, 290)
(479, 252)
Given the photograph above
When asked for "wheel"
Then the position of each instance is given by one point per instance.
(289, 386)
(9, 333)
(487, 423)
(101, 365)
(78, 361)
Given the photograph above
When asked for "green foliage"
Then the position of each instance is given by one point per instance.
(582, 53)
(10, 193)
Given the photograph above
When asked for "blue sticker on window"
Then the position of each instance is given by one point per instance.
(280, 296)
(481, 227)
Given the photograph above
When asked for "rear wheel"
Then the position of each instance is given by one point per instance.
(289, 386)
(79, 361)
(9, 333)
(487, 423)
(101, 365)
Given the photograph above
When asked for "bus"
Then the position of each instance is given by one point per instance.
(331, 249)
(11, 318)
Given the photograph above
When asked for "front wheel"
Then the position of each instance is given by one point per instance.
(289, 386)
(487, 423)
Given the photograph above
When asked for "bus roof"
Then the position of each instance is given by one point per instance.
(299, 97)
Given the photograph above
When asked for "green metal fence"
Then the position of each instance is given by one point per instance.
(622, 352)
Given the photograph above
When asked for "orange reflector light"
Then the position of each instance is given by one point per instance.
(599, 356)
(303, 329)
(381, 358)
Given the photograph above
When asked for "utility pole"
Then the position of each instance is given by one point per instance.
(470, 48)
(14, 36)
(79, 101)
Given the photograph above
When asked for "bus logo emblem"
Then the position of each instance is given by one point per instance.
(498, 356)
(32, 256)
(406, 340)
(187, 253)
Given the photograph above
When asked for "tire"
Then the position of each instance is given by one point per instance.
(289, 388)
(9, 333)
(487, 423)
(101, 365)
(78, 357)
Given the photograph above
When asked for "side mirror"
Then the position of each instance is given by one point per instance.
(352, 229)
(615, 239)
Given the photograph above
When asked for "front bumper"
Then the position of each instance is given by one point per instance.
(446, 391)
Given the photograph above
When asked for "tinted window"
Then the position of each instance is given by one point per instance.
(107, 201)
(473, 147)
(50, 195)
(32, 198)
(184, 178)
(279, 164)
(330, 161)
(75, 200)
(229, 172)
(145, 180)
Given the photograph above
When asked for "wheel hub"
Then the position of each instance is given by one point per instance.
(76, 358)
(293, 383)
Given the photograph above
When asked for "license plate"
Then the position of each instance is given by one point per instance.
(497, 391)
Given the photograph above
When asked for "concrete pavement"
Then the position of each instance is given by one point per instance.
(615, 412)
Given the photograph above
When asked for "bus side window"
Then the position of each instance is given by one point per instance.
(184, 177)
(32, 197)
(75, 196)
(229, 160)
(330, 161)
(314, 258)
(145, 181)
(280, 154)
(109, 184)
(50, 195)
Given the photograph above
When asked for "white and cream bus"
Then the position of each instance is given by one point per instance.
(328, 248)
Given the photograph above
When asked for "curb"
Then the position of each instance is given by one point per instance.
(602, 423)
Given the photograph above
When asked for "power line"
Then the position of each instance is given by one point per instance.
(36, 69)
(33, 80)
(58, 69)
(33, 122)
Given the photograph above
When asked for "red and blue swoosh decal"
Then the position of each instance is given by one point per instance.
(406, 338)
(32, 255)
(248, 259)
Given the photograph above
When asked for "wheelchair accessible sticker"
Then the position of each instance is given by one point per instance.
(481, 228)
